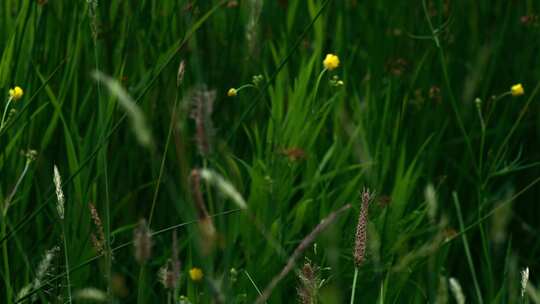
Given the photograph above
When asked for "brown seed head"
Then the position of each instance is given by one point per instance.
(361, 229)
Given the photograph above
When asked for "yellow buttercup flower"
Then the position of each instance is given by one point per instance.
(196, 274)
(517, 90)
(331, 62)
(16, 93)
(232, 92)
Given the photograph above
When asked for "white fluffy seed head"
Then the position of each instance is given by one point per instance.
(45, 266)
(59, 193)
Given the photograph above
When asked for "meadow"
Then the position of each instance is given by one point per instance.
(250, 151)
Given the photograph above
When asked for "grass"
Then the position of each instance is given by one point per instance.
(256, 186)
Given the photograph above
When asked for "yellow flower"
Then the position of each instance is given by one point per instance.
(331, 62)
(517, 90)
(232, 92)
(16, 93)
(196, 274)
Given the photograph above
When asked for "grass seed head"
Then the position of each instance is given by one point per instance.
(97, 240)
(361, 229)
(180, 74)
(142, 240)
(59, 193)
(310, 282)
(202, 108)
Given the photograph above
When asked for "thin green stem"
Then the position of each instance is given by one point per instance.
(5, 256)
(140, 286)
(7, 202)
(249, 85)
(163, 158)
(317, 88)
(5, 112)
(66, 260)
(467, 249)
(353, 292)
(482, 138)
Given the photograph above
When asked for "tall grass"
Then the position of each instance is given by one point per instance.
(419, 110)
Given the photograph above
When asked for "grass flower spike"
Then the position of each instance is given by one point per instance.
(331, 62)
(196, 274)
(361, 229)
(232, 92)
(16, 93)
(517, 90)
(59, 193)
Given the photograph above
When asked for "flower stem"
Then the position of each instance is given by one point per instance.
(354, 284)
(66, 260)
(7, 276)
(5, 112)
(317, 88)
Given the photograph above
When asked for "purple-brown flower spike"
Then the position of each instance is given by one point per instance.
(361, 229)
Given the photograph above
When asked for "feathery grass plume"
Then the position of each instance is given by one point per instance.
(310, 283)
(92, 13)
(224, 186)
(361, 229)
(206, 225)
(23, 293)
(44, 268)
(169, 273)
(99, 240)
(455, 287)
(180, 74)
(142, 240)
(59, 193)
(166, 275)
(202, 108)
(90, 294)
(252, 30)
(135, 114)
(306, 242)
(524, 280)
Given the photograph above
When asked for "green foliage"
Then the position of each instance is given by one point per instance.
(295, 144)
